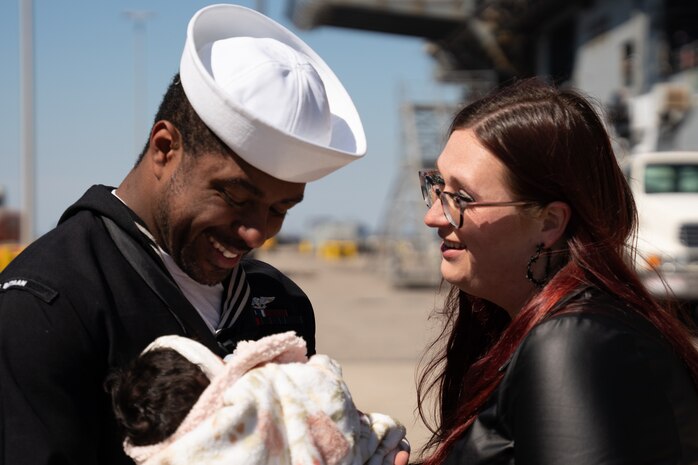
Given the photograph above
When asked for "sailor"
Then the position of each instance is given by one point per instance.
(252, 116)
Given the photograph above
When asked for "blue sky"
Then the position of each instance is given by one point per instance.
(84, 100)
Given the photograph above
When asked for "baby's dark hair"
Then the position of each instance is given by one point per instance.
(152, 395)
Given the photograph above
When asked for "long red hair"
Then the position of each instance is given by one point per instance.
(556, 148)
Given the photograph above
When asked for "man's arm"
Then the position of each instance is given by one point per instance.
(53, 406)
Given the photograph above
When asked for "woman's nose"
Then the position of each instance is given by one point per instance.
(434, 217)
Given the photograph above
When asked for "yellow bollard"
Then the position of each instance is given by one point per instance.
(305, 246)
(7, 253)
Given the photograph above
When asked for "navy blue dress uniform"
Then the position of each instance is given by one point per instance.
(74, 306)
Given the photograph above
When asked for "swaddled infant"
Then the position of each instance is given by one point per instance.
(178, 403)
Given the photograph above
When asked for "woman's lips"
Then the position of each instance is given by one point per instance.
(448, 245)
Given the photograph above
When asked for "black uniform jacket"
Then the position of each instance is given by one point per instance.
(73, 307)
(592, 387)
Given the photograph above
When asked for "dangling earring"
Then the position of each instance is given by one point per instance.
(540, 248)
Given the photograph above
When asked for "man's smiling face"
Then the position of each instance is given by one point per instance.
(214, 208)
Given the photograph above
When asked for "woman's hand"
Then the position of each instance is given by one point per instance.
(402, 457)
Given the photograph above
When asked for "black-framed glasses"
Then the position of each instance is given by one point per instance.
(453, 203)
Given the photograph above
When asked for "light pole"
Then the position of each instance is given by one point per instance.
(26, 117)
(139, 19)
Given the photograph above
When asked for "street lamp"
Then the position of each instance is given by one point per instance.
(26, 117)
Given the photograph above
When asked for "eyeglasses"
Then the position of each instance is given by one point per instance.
(453, 203)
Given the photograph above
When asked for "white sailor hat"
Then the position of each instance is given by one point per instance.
(267, 95)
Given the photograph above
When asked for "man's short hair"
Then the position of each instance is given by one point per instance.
(197, 138)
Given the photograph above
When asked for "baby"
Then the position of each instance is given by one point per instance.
(178, 403)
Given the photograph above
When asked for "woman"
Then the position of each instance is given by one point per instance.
(555, 353)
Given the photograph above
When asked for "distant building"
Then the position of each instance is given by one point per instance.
(9, 221)
(9, 225)
(333, 239)
(638, 58)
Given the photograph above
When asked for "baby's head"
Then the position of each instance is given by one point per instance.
(152, 395)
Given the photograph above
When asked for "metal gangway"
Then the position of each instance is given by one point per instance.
(409, 250)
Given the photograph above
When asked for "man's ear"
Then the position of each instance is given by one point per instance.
(165, 147)
(555, 218)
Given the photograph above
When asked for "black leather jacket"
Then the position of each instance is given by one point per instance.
(588, 387)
